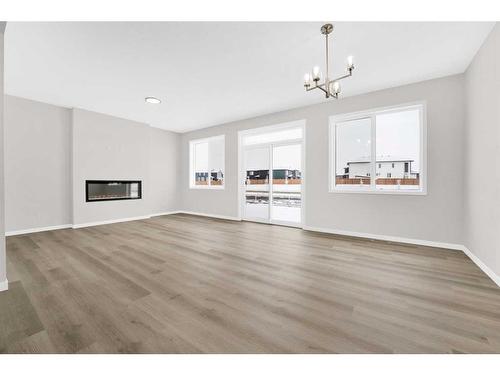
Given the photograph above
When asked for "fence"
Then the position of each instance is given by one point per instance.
(213, 183)
(352, 181)
(276, 181)
(378, 181)
(397, 181)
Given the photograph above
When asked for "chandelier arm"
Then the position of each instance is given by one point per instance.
(324, 90)
(317, 87)
(343, 77)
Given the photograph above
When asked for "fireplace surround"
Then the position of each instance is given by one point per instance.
(112, 190)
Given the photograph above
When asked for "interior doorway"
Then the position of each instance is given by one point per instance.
(272, 174)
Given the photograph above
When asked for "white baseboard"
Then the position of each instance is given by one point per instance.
(381, 237)
(4, 285)
(83, 225)
(34, 230)
(165, 213)
(233, 218)
(94, 223)
(487, 270)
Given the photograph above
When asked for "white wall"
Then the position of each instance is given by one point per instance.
(438, 216)
(164, 165)
(38, 164)
(482, 153)
(3, 263)
(108, 148)
(44, 153)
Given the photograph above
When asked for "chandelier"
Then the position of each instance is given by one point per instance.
(331, 87)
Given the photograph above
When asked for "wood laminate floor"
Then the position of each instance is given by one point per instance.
(187, 284)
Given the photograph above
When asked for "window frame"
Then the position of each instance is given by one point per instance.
(372, 113)
(209, 186)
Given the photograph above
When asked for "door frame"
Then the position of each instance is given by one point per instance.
(242, 174)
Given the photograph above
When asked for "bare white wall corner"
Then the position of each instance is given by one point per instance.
(487, 270)
(4, 285)
(165, 213)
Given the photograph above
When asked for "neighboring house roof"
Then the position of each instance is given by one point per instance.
(379, 161)
(279, 169)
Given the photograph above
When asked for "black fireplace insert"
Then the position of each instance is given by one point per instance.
(112, 190)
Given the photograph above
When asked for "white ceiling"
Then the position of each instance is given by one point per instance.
(210, 73)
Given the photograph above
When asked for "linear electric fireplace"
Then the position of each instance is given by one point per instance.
(112, 190)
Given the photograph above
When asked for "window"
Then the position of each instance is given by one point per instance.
(206, 161)
(353, 152)
(276, 136)
(387, 143)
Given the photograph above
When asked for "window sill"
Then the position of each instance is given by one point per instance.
(381, 192)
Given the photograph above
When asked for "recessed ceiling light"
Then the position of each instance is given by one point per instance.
(152, 100)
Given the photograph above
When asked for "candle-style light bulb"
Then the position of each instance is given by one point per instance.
(336, 87)
(350, 62)
(307, 79)
(316, 73)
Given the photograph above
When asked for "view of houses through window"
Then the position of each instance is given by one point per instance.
(207, 163)
(385, 146)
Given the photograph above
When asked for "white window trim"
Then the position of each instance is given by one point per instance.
(192, 184)
(242, 174)
(333, 120)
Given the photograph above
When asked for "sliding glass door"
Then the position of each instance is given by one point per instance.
(257, 187)
(286, 188)
(272, 190)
